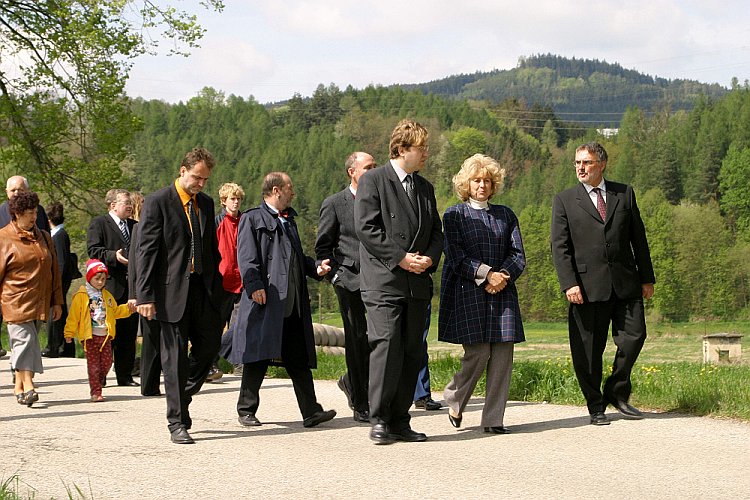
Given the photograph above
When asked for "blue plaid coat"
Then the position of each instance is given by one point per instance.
(468, 314)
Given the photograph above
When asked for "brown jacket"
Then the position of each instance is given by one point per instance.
(30, 281)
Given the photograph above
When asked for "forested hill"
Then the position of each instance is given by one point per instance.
(690, 170)
(587, 91)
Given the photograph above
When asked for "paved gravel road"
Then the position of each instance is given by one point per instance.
(121, 449)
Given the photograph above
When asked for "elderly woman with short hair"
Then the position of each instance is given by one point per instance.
(30, 284)
(478, 299)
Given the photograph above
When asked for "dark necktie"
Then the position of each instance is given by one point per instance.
(410, 191)
(124, 231)
(196, 244)
(600, 205)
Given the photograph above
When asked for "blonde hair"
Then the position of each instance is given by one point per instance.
(230, 189)
(137, 198)
(478, 165)
(407, 133)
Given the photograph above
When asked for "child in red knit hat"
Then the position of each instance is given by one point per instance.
(91, 319)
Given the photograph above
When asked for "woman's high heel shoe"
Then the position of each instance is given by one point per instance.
(31, 397)
(21, 398)
(455, 421)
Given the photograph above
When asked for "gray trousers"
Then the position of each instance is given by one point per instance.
(497, 357)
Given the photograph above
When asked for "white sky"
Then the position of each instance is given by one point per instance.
(271, 49)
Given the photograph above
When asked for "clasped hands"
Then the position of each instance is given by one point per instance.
(496, 282)
(415, 263)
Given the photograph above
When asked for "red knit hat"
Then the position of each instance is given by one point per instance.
(94, 266)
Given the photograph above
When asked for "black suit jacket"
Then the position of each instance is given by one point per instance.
(600, 256)
(104, 239)
(337, 240)
(62, 248)
(163, 254)
(388, 228)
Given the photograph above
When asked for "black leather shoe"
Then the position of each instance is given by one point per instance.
(214, 374)
(408, 435)
(149, 394)
(319, 418)
(627, 410)
(599, 418)
(3, 352)
(181, 436)
(130, 383)
(345, 389)
(455, 421)
(379, 434)
(427, 403)
(362, 416)
(49, 354)
(249, 420)
(497, 430)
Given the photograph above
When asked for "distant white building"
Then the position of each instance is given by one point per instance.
(607, 132)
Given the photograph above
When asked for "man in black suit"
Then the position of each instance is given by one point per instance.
(337, 241)
(14, 185)
(401, 238)
(56, 345)
(108, 240)
(179, 284)
(603, 263)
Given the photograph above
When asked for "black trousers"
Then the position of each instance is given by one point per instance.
(394, 328)
(588, 328)
(296, 362)
(150, 356)
(56, 344)
(228, 312)
(357, 350)
(184, 375)
(123, 347)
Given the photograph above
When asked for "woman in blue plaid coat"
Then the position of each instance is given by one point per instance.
(478, 298)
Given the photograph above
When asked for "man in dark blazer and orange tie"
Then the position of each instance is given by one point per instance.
(178, 283)
(401, 241)
(108, 240)
(337, 241)
(603, 263)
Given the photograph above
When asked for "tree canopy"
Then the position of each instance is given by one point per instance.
(65, 121)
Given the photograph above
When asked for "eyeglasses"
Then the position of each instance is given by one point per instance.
(585, 163)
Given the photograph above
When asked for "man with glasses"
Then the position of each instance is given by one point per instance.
(401, 241)
(603, 263)
(108, 240)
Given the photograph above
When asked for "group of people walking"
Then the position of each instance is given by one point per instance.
(190, 274)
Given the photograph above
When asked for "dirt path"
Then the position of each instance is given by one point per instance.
(121, 449)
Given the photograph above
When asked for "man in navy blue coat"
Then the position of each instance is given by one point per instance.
(274, 321)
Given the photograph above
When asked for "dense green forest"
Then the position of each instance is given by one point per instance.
(585, 91)
(690, 170)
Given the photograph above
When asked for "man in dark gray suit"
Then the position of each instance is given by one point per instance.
(108, 239)
(337, 241)
(603, 263)
(178, 283)
(401, 238)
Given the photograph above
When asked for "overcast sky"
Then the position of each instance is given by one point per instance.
(272, 49)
